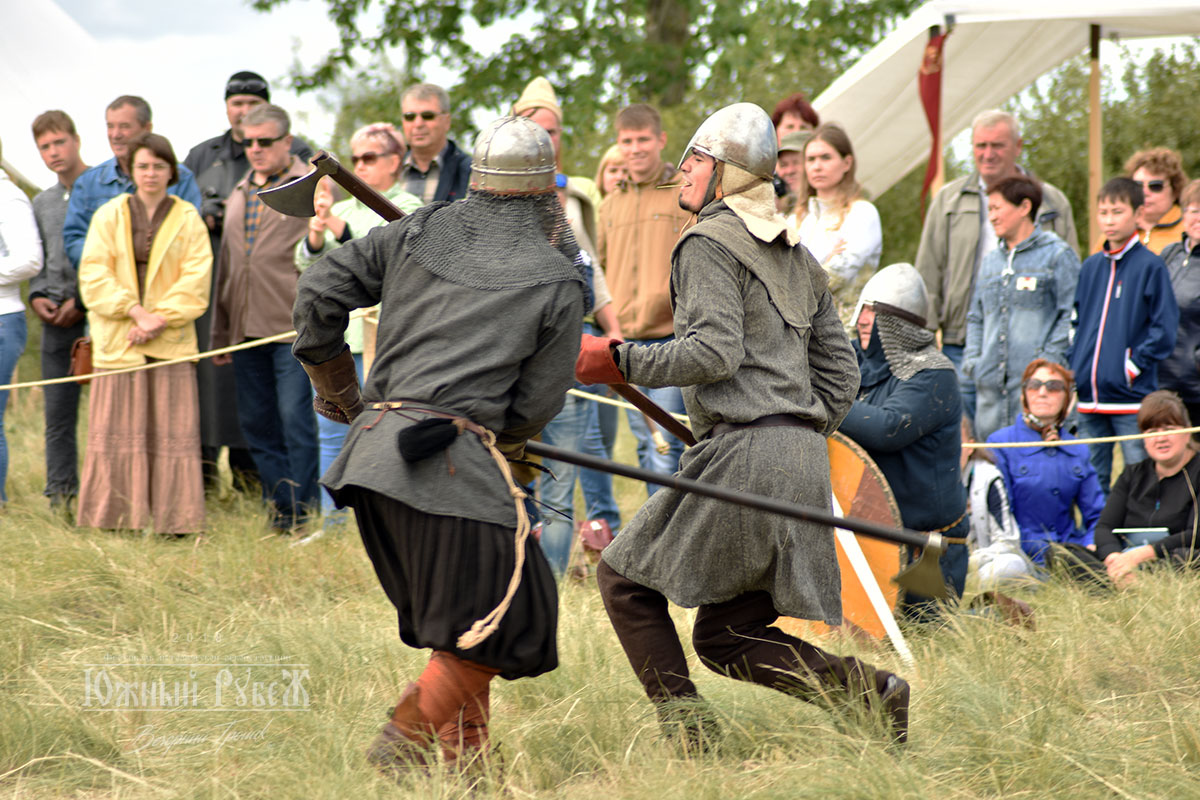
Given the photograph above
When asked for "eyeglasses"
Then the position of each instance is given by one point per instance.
(1155, 186)
(428, 116)
(1033, 385)
(368, 159)
(246, 86)
(262, 141)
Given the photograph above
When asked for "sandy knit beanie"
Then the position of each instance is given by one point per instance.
(538, 94)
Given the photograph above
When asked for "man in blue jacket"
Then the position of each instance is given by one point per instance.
(1125, 323)
(127, 117)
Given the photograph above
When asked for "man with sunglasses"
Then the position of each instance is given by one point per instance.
(436, 168)
(218, 164)
(256, 287)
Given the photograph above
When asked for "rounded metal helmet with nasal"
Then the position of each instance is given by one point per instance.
(513, 156)
(741, 134)
(898, 290)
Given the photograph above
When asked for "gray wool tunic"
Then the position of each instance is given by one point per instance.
(756, 333)
(501, 356)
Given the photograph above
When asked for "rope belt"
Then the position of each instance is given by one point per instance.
(484, 627)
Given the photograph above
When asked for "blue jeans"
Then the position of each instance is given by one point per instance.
(671, 399)
(61, 410)
(954, 352)
(330, 436)
(1094, 425)
(558, 532)
(598, 440)
(12, 344)
(274, 399)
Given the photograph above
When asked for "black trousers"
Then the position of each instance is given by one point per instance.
(734, 638)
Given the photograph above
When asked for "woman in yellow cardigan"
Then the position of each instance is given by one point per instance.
(144, 277)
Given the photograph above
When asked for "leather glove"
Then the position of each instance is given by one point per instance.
(336, 383)
(597, 361)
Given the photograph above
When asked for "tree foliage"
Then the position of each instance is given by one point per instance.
(685, 56)
(1154, 104)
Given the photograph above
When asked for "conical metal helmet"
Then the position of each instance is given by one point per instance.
(741, 134)
(898, 290)
(513, 156)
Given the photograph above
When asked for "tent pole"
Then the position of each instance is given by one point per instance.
(1095, 139)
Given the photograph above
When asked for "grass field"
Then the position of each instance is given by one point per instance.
(1103, 700)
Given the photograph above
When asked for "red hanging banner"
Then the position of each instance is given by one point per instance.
(929, 83)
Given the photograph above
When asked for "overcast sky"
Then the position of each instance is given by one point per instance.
(78, 55)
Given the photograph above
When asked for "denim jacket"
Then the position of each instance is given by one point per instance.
(102, 183)
(1021, 310)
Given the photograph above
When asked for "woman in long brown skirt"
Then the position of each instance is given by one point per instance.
(144, 277)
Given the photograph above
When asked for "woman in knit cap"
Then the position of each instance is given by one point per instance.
(569, 429)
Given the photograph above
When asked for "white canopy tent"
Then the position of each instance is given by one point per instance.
(996, 49)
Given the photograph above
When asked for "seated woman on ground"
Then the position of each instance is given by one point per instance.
(1046, 484)
(994, 538)
(1159, 492)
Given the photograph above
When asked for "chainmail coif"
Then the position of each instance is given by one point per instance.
(491, 241)
(908, 347)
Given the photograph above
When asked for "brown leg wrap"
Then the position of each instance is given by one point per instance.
(735, 638)
(466, 735)
(446, 690)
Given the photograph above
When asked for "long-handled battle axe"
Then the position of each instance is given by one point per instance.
(924, 577)
(295, 198)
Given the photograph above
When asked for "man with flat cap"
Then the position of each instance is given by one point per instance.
(218, 164)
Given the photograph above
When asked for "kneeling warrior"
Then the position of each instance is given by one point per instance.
(482, 303)
(767, 372)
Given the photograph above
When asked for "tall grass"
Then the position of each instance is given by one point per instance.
(1103, 700)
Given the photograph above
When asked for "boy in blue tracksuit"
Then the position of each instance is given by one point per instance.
(1125, 323)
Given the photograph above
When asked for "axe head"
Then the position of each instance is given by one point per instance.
(295, 198)
(924, 576)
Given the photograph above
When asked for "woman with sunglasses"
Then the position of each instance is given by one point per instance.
(1180, 372)
(377, 155)
(1160, 173)
(1046, 483)
(1159, 492)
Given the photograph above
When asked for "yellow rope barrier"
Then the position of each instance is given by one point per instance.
(596, 398)
(233, 348)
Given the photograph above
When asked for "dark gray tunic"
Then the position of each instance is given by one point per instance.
(502, 357)
(756, 333)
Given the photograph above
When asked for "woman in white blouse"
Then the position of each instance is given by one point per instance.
(836, 224)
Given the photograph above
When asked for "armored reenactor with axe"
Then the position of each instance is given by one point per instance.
(482, 302)
(767, 373)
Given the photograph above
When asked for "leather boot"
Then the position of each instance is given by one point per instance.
(464, 738)
(405, 743)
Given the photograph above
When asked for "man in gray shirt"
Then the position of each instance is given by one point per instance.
(482, 303)
(54, 297)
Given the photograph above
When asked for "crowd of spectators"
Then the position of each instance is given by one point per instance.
(998, 333)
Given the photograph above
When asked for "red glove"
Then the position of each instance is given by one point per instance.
(597, 362)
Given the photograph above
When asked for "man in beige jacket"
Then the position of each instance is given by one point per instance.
(639, 225)
(256, 287)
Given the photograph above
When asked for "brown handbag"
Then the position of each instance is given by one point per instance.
(81, 358)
